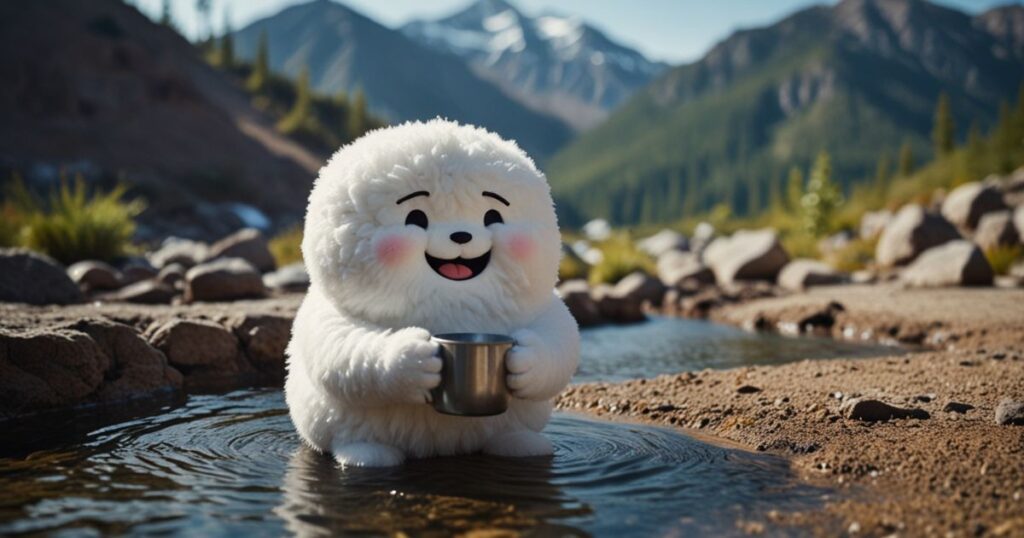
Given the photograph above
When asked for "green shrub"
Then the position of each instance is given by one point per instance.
(621, 257)
(1002, 257)
(287, 246)
(77, 226)
(10, 225)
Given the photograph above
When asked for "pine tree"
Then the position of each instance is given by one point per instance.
(823, 197)
(906, 165)
(775, 192)
(883, 174)
(357, 120)
(944, 130)
(166, 18)
(302, 110)
(204, 8)
(260, 76)
(753, 197)
(226, 56)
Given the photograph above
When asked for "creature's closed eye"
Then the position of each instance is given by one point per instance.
(493, 217)
(418, 218)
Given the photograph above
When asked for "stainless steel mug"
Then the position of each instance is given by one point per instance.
(472, 374)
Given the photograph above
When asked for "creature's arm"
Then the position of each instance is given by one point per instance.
(360, 363)
(546, 354)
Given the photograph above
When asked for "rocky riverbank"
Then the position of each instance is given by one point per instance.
(925, 444)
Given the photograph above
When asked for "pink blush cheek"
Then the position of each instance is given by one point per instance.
(392, 250)
(520, 246)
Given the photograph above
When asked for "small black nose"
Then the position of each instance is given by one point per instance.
(461, 237)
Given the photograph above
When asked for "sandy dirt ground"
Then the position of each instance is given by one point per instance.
(948, 469)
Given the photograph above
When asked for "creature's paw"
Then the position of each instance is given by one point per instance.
(526, 367)
(413, 367)
(367, 455)
(519, 444)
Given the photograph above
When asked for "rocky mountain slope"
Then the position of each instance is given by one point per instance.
(96, 87)
(403, 80)
(856, 79)
(556, 64)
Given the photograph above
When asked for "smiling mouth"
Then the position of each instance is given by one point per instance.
(459, 268)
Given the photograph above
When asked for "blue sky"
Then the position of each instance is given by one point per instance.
(675, 31)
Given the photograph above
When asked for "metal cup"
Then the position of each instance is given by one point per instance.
(472, 374)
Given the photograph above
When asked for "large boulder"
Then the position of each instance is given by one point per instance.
(264, 338)
(288, 278)
(92, 275)
(996, 230)
(614, 307)
(662, 242)
(967, 203)
(197, 346)
(576, 295)
(33, 278)
(226, 279)
(956, 263)
(678, 269)
(912, 231)
(639, 286)
(746, 255)
(180, 251)
(90, 360)
(802, 273)
(248, 244)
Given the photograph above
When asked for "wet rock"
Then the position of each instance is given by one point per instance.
(1010, 412)
(288, 278)
(746, 255)
(576, 295)
(33, 278)
(957, 407)
(172, 274)
(616, 308)
(197, 345)
(679, 269)
(663, 242)
(248, 244)
(88, 361)
(145, 292)
(912, 231)
(264, 338)
(800, 274)
(995, 230)
(641, 287)
(873, 223)
(94, 275)
(184, 252)
(47, 368)
(957, 263)
(967, 203)
(223, 280)
(869, 410)
(135, 367)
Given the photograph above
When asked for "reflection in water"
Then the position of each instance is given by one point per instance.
(671, 345)
(232, 465)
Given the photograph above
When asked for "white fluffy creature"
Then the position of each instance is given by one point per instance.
(421, 229)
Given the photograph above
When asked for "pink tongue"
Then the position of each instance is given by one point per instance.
(455, 271)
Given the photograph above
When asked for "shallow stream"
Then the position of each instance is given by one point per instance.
(231, 465)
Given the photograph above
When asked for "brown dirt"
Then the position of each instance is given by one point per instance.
(950, 474)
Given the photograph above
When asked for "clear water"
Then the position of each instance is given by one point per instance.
(669, 345)
(232, 465)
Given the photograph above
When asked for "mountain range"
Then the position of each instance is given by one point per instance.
(856, 79)
(555, 64)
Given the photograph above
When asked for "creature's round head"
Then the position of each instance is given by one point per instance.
(413, 223)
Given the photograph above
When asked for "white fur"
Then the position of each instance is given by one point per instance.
(360, 362)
